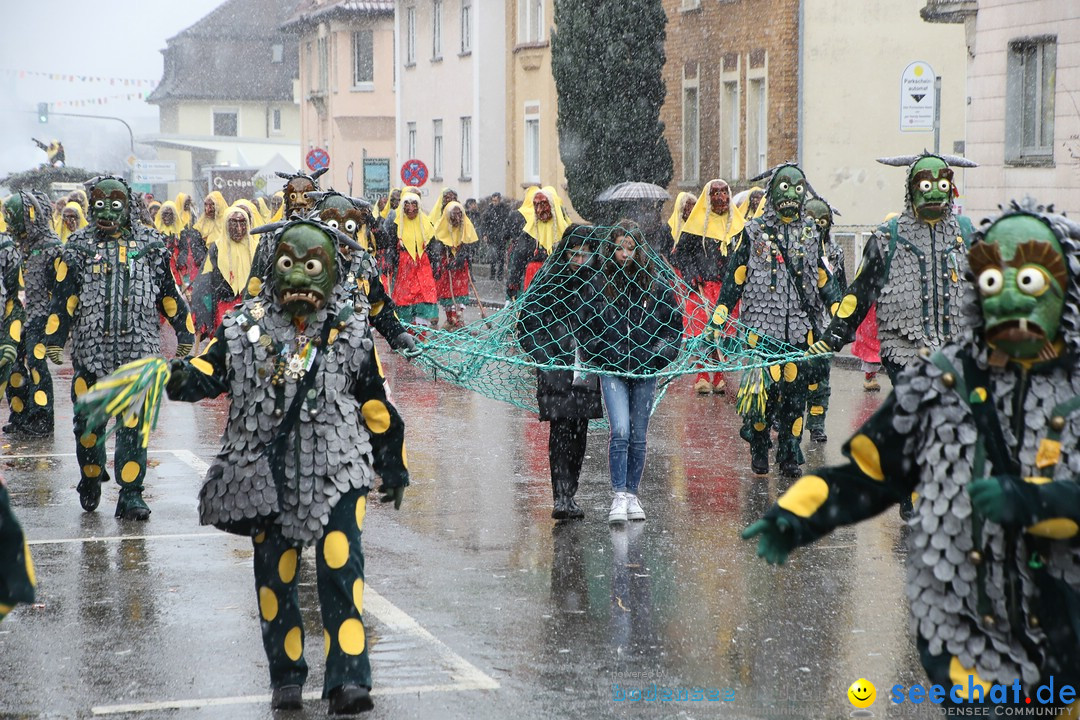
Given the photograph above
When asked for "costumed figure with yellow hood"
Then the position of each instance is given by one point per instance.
(224, 277)
(188, 250)
(543, 224)
(277, 206)
(112, 284)
(72, 218)
(211, 225)
(778, 272)
(700, 256)
(413, 280)
(455, 240)
(684, 205)
(446, 196)
(30, 388)
(167, 221)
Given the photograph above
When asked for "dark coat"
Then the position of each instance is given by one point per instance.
(545, 331)
(632, 332)
(698, 261)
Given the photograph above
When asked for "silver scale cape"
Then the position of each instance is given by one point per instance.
(779, 312)
(133, 325)
(902, 328)
(329, 449)
(940, 435)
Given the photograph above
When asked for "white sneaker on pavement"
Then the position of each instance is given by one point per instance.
(634, 511)
(618, 508)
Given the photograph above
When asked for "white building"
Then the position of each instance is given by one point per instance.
(451, 99)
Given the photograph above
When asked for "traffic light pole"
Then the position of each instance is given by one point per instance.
(131, 135)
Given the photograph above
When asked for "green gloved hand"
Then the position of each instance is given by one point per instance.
(988, 498)
(183, 349)
(178, 373)
(55, 354)
(394, 495)
(776, 539)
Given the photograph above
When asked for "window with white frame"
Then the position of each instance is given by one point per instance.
(363, 59)
(466, 27)
(275, 120)
(532, 144)
(323, 51)
(757, 127)
(436, 29)
(437, 149)
(729, 129)
(410, 140)
(410, 35)
(1031, 69)
(530, 21)
(466, 148)
(691, 131)
(226, 122)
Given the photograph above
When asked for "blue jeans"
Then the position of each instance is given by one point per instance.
(628, 404)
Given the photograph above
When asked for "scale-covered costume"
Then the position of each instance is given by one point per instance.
(780, 274)
(913, 266)
(817, 401)
(30, 389)
(986, 432)
(296, 471)
(113, 282)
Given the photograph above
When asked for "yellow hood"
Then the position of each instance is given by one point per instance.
(213, 230)
(436, 212)
(64, 232)
(464, 235)
(547, 233)
(385, 212)
(414, 234)
(178, 224)
(185, 215)
(704, 222)
(742, 201)
(234, 257)
(675, 222)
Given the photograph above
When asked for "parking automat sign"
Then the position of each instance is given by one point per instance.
(317, 159)
(414, 173)
(917, 98)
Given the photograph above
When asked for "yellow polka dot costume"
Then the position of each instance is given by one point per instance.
(17, 578)
(341, 431)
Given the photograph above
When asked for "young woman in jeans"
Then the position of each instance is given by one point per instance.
(631, 325)
(545, 330)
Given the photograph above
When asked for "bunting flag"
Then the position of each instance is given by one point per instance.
(73, 77)
(60, 104)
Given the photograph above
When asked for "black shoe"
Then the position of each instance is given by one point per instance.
(349, 700)
(288, 697)
(790, 468)
(759, 464)
(131, 506)
(560, 511)
(574, 511)
(89, 493)
(818, 435)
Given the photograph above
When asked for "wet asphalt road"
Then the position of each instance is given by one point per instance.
(478, 605)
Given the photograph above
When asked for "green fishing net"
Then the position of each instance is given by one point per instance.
(585, 312)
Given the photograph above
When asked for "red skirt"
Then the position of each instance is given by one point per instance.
(453, 284)
(414, 284)
(698, 310)
(867, 347)
(530, 272)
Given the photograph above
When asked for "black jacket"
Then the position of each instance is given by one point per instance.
(633, 332)
(545, 331)
(698, 260)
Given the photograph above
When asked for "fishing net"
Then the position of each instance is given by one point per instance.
(584, 312)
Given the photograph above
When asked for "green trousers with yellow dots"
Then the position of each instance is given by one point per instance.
(339, 570)
(817, 400)
(785, 407)
(30, 387)
(129, 458)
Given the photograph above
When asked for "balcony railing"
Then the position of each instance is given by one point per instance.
(948, 11)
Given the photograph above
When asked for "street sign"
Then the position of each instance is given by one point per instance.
(233, 183)
(317, 159)
(917, 99)
(154, 172)
(414, 173)
(376, 178)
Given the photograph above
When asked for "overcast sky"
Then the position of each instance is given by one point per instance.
(118, 39)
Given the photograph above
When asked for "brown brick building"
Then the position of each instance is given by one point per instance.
(732, 76)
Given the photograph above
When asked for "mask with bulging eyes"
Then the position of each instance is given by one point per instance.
(296, 195)
(340, 213)
(110, 206)
(930, 187)
(304, 269)
(820, 213)
(787, 192)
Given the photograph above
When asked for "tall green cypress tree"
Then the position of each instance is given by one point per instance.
(607, 57)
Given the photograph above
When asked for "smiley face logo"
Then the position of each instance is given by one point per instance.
(862, 693)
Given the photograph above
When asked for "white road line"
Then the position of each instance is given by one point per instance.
(122, 538)
(183, 454)
(197, 463)
(254, 699)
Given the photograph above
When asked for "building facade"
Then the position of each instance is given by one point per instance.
(532, 107)
(451, 100)
(226, 94)
(1023, 122)
(732, 77)
(347, 91)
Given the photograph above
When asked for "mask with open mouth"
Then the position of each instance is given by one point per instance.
(787, 191)
(930, 187)
(110, 205)
(1021, 276)
(305, 269)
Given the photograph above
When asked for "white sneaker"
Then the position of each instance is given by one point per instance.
(634, 511)
(618, 508)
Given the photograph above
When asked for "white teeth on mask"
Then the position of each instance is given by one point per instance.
(1023, 324)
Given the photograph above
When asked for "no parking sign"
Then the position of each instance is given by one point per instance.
(414, 173)
(317, 159)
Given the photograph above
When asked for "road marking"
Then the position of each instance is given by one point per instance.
(466, 675)
(123, 538)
